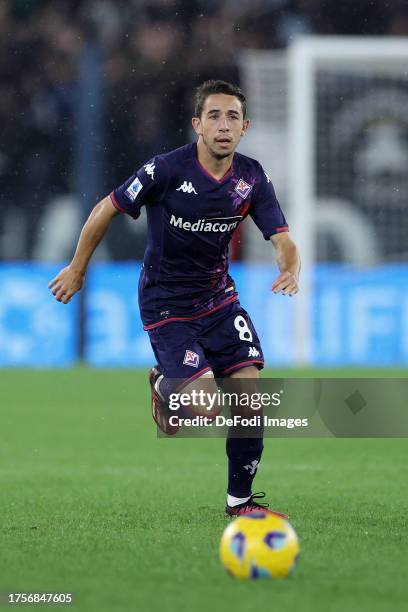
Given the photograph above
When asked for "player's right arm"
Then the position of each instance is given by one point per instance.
(71, 278)
(146, 186)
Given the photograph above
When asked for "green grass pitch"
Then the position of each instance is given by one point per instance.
(94, 504)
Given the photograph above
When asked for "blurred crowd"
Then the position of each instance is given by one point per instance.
(153, 54)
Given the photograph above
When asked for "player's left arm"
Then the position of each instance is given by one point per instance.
(265, 210)
(288, 260)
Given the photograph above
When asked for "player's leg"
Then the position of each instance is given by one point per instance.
(243, 451)
(181, 366)
(234, 351)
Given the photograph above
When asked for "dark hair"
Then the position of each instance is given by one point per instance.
(217, 87)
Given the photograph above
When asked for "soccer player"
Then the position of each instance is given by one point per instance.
(196, 197)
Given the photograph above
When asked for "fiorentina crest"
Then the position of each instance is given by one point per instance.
(191, 358)
(243, 188)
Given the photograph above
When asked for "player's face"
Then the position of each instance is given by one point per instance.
(221, 124)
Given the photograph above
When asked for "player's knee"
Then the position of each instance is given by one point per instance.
(246, 372)
(202, 397)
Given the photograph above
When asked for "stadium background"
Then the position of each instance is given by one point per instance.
(92, 89)
(92, 502)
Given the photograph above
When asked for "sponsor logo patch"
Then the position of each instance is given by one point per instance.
(133, 189)
(222, 224)
(191, 359)
(242, 188)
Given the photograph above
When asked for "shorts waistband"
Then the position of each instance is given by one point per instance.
(193, 317)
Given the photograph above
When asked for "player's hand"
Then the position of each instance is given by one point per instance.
(286, 283)
(66, 284)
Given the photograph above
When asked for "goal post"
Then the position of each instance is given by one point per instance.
(300, 160)
(330, 125)
(367, 77)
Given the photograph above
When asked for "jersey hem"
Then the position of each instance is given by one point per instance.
(186, 381)
(242, 364)
(277, 230)
(115, 202)
(193, 317)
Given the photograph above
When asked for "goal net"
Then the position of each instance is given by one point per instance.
(334, 112)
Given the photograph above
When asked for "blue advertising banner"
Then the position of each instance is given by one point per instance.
(114, 334)
(359, 317)
(35, 330)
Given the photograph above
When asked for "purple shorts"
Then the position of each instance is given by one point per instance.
(222, 341)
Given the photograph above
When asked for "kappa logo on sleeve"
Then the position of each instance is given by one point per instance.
(243, 188)
(149, 169)
(191, 359)
(133, 189)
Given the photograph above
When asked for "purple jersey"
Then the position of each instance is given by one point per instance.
(191, 218)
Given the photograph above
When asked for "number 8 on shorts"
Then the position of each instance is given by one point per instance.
(242, 328)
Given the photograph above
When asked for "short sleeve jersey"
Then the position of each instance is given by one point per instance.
(191, 219)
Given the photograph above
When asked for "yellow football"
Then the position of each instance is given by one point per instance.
(259, 545)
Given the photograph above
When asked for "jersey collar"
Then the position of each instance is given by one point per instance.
(212, 178)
